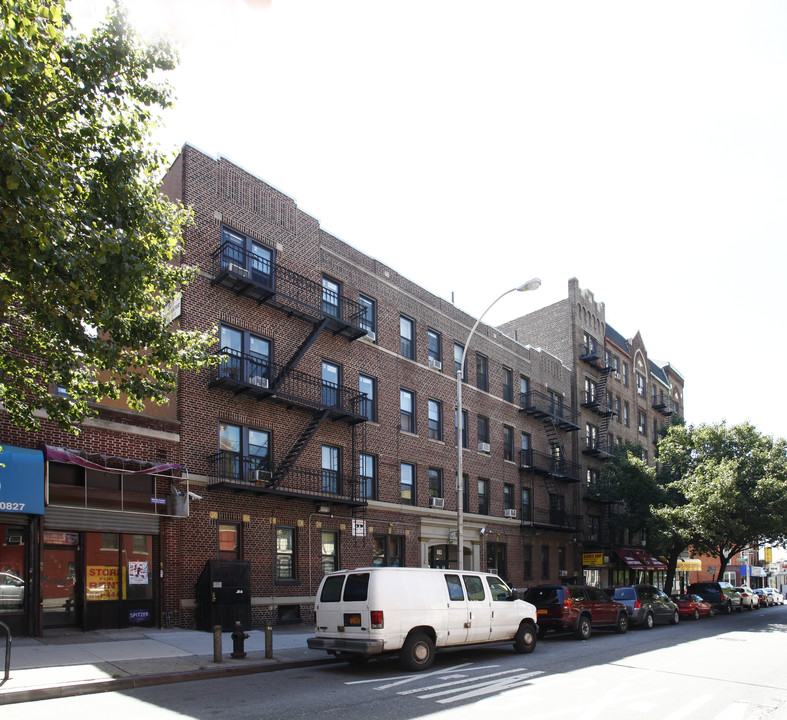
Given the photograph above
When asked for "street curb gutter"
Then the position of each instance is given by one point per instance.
(141, 681)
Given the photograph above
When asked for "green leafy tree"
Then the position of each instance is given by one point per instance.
(641, 490)
(87, 241)
(734, 480)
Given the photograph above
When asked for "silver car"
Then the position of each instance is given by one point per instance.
(12, 591)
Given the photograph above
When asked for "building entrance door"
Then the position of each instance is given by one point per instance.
(60, 585)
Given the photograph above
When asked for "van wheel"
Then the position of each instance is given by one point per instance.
(622, 623)
(417, 652)
(525, 638)
(583, 628)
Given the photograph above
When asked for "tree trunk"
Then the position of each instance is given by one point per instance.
(672, 564)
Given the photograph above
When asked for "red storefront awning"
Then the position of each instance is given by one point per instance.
(640, 560)
(107, 463)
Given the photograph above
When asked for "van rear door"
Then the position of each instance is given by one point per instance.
(342, 608)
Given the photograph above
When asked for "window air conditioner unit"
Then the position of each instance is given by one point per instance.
(617, 376)
(562, 573)
(371, 335)
(509, 512)
(436, 364)
(237, 270)
(260, 476)
(437, 502)
(483, 447)
(259, 381)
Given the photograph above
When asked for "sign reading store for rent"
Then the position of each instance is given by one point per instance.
(21, 480)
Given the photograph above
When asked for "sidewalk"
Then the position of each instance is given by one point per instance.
(69, 662)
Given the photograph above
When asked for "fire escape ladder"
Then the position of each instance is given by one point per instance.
(300, 352)
(298, 446)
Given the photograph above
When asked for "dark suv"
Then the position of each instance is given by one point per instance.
(576, 608)
(646, 604)
(721, 595)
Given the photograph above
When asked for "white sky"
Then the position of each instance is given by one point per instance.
(639, 147)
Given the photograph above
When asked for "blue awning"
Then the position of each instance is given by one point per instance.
(21, 480)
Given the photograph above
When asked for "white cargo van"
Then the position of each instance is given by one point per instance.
(411, 611)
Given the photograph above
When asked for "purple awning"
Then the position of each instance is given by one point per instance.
(107, 463)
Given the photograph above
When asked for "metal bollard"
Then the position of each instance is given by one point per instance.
(217, 643)
(268, 641)
(238, 638)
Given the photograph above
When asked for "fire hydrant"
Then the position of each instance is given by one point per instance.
(238, 638)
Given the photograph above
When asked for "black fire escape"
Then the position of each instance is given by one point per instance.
(259, 279)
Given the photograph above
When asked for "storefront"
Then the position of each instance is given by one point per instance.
(21, 507)
(100, 539)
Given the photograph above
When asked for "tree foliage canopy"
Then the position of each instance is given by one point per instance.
(86, 239)
(734, 480)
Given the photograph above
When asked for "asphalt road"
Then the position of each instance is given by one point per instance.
(721, 668)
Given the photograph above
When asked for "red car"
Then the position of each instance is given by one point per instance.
(693, 606)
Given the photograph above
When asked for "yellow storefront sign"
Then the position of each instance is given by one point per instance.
(103, 582)
(593, 558)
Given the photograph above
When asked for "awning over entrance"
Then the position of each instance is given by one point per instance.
(107, 463)
(21, 480)
(640, 560)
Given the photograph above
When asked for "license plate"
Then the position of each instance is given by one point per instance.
(352, 620)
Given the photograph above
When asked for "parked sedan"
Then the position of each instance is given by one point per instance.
(749, 599)
(693, 606)
(646, 604)
(769, 596)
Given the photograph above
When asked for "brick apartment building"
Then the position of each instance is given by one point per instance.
(325, 436)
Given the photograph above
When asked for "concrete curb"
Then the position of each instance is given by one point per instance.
(140, 681)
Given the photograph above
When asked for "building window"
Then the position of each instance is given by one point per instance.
(640, 385)
(496, 560)
(434, 349)
(368, 318)
(524, 391)
(367, 387)
(557, 509)
(561, 561)
(555, 403)
(458, 352)
(435, 420)
(331, 294)
(406, 410)
(594, 528)
(465, 493)
(483, 433)
(367, 475)
(435, 483)
(285, 553)
(527, 507)
(482, 372)
(590, 391)
(330, 551)
(626, 414)
(331, 382)
(591, 436)
(545, 562)
(625, 374)
(242, 452)
(407, 483)
(592, 476)
(527, 562)
(642, 424)
(589, 346)
(508, 384)
(508, 443)
(406, 336)
(483, 496)
(508, 496)
(331, 464)
(248, 254)
(388, 550)
(616, 408)
(244, 356)
(229, 541)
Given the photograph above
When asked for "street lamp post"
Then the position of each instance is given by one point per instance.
(533, 284)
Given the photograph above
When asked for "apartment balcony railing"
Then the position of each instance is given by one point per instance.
(591, 401)
(542, 406)
(546, 464)
(250, 275)
(552, 518)
(255, 376)
(257, 475)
